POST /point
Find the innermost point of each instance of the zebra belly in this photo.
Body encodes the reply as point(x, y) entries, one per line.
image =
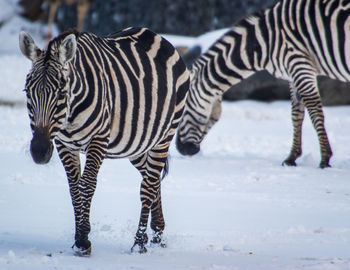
point(138, 140)
point(119, 152)
point(127, 146)
point(127, 142)
point(128, 135)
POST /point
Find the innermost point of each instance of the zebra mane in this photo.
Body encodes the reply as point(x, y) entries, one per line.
point(251, 17)
point(254, 15)
point(57, 40)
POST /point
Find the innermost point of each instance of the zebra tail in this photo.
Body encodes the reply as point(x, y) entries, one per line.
point(165, 169)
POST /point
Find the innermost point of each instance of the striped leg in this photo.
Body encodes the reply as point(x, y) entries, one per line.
point(298, 112)
point(150, 166)
point(157, 220)
point(71, 164)
point(306, 86)
point(94, 157)
point(82, 188)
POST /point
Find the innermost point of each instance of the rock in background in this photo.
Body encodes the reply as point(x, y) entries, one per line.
point(264, 87)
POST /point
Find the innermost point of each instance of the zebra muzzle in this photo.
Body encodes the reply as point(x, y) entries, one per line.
point(41, 146)
point(187, 148)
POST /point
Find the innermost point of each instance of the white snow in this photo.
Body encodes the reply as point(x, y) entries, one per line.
point(233, 206)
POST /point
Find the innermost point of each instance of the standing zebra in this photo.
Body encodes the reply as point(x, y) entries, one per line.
point(112, 97)
point(296, 40)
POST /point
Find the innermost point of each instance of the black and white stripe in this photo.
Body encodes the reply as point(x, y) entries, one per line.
point(110, 97)
point(296, 40)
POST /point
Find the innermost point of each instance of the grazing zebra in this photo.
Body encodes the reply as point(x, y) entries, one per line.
point(109, 97)
point(296, 40)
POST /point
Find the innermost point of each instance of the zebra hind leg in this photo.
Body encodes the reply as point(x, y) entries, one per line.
point(298, 112)
point(147, 194)
point(157, 221)
point(150, 166)
point(313, 104)
point(311, 99)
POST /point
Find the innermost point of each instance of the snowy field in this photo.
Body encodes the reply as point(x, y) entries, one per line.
point(233, 206)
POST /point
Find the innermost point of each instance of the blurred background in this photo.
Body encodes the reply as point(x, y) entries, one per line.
point(192, 19)
point(180, 17)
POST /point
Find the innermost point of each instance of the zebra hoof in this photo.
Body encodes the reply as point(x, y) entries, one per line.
point(157, 241)
point(138, 248)
point(324, 165)
point(161, 244)
point(81, 252)
point(139, 245)
point(289, 162)
point(82, 248)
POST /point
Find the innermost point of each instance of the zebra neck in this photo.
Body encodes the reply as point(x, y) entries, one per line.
point(233, 58)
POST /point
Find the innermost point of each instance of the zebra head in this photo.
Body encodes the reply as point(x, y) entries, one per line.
point(202, 111)
point(47, 90)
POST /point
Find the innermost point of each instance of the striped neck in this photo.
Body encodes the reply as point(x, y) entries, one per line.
point(235, 56)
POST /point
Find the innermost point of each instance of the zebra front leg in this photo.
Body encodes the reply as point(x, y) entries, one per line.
point(298, 112)
point(71, 163)
point(87, 185)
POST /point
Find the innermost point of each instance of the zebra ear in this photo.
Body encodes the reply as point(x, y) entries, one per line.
point(67, 49)
point(28, 46)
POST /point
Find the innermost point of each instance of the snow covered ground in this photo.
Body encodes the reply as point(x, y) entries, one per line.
point(233, 206)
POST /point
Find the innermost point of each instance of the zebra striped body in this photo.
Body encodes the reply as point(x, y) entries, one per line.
point(111, 97)
point(126, 91)
point(296, 40)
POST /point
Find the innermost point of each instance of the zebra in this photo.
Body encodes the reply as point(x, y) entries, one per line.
point(296, 40)
point(119, 96)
